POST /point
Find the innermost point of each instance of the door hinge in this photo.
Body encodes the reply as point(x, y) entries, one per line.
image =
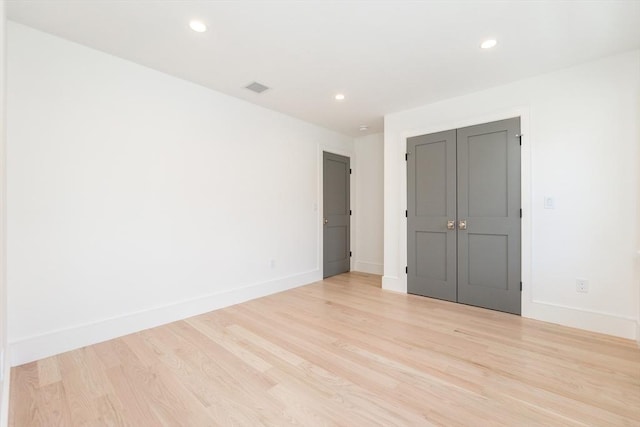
point(350, 171)
point(520, 285)
point(406, 214)
point(406, 157)
point(406, 269)
point(520, 213)
point(350, 254)
point(350, 212)
point(519, 136)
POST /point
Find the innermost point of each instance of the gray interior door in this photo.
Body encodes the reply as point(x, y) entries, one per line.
point(336, 228)
point(489, 204)
point(463, 217)
point(431, 174)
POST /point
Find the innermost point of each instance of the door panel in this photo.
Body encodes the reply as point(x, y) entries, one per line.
point(488, 167)
point(487, 172)
point(335, 243)
point(431, 251)
point(335, 176)
point(431, 173)
point(336, 228)
point(489, 265)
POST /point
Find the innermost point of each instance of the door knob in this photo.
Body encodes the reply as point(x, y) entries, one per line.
point(451, 224)
point(326, 221)
point(462, 224)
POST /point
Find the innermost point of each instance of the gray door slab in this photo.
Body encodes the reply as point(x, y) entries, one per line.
point(489, 201)
point(431, 185)
point(336, 214)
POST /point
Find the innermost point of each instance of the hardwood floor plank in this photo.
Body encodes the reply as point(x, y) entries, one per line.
point(53, 402)
point(298, 410)
point(321, 350)
point(136, 409)
point(110, 411)
point(231, 344)
point(24, 389)
point(167, 397)
point(48, 371)
point(107, 354)
point(340, 352)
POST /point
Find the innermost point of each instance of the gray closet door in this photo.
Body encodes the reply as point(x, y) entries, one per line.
point(431, 174)
point(463, 217)
point(336, 229)
point(489, 204)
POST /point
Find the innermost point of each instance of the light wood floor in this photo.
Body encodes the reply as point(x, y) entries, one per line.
point(338, 352)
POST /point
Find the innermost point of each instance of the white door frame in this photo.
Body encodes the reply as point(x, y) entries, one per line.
point(525, 187)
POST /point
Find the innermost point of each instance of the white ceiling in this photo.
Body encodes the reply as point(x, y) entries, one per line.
point(385, 56)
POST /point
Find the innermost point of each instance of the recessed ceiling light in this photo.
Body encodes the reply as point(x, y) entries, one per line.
point(364, 127)
point(488, 44)
point(339, 97)
point(198, 26)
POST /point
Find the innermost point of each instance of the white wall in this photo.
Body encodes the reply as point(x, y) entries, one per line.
point(580, 145)
point(4, 365)
point(369, 175)
point(638, 228)
point(136, 198)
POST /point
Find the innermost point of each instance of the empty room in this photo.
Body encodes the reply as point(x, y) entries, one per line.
point(319, 213)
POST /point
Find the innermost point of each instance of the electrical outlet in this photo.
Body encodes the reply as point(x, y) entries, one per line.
point(582, 285)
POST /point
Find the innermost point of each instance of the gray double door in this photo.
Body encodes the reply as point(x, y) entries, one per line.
point(336, 214)
point(464, 215)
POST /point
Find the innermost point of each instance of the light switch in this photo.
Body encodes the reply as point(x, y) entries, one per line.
point(549, 202)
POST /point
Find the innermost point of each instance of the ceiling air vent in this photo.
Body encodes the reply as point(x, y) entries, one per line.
point(256, 87)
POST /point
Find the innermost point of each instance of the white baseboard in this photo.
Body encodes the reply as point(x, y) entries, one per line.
point(59, 341)
point(6, 387)
point(391, 283)
point(605, 323)
point(368, 267)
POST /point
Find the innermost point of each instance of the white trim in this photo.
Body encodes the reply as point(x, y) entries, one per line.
point(597, 312)
point(6, 387)
point(592, 320)
point(638, 319)
point(5, 366)
point(368, 267)
point(39, 346)
point(395, 284)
